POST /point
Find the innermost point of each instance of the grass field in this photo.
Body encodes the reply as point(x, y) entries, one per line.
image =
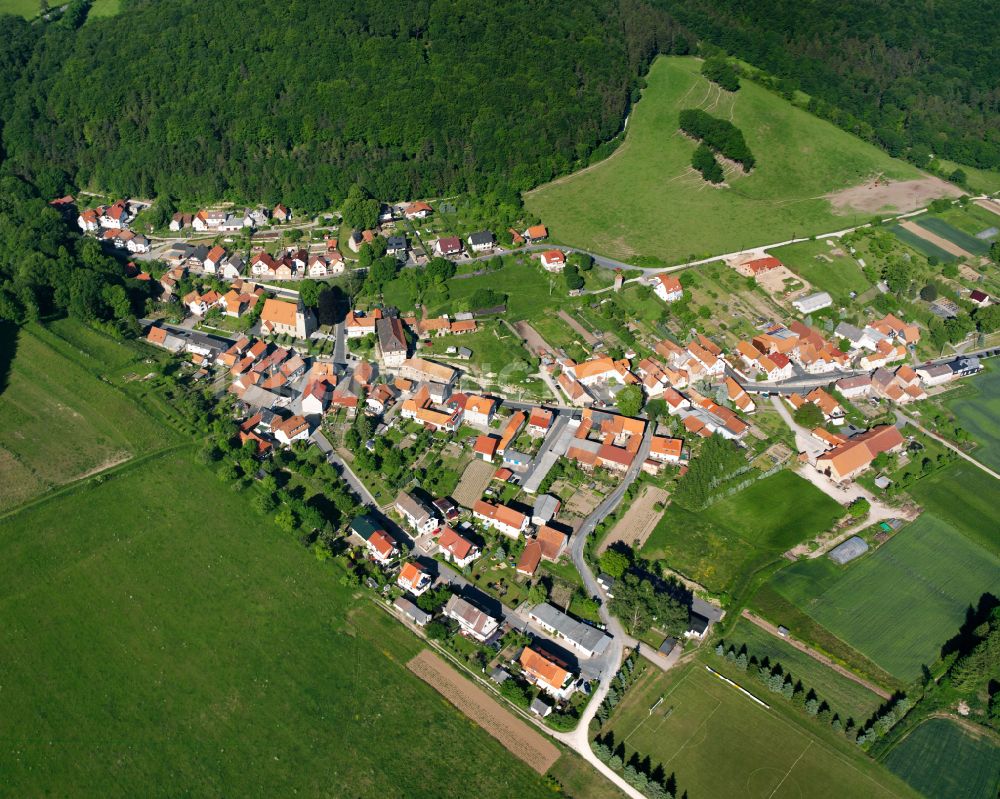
point(58, 421)
point(496, 350)
point(921, 245)
point(965, 497)
point(721, 744)
point(814, 261)
point(901, 603)
point(971, 218)
point(978, 411)
point(981, 180)
point(161, 639)
point(715, 546)
point(954, 235)
point(845, 696)
point(943, 761)
point(645, 199)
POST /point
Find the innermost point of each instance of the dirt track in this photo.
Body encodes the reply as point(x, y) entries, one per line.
point(933, 238)
point(765, 625)
point(990, 205)
point(515, 734)
point(585, 334)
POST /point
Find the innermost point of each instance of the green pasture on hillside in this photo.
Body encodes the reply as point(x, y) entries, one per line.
point(645, 199)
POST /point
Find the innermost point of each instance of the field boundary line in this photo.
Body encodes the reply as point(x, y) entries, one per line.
point(802, 754)
point(80, 482)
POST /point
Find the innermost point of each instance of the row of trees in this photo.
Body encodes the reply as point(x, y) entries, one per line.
point(639, 772)
point(623, 680)
point(775, 679)
point(720, 135)
point(718, 461)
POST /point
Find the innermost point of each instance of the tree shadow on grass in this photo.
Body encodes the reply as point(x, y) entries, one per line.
point(8, 350)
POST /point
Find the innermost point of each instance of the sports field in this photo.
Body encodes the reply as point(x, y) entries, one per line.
point(161, 638)
point(978, 411)
point(646, 200)
point(845, 696)
point(827, 268)
point(944, 761)
point(58, 420)
point(716, 545)
point(720, 743)
point(901, 603)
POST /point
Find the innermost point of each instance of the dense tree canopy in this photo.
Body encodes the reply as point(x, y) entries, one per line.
point(297, 101)
point(719, 134)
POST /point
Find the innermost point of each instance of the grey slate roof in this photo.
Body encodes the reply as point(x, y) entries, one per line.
point(582, 636)
point(482, 237)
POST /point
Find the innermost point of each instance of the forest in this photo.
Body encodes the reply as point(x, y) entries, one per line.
point(915, 78)
point(296, 101)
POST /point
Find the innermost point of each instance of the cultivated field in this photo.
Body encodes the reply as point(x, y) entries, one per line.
point(161, 638)
point(720, 743)
point(58, 421)
point(845, 696)
point(741, 532)
point(515, 734)
point(978, 411)
point(638, 521)
point(922, 243)
point(475, 478)
point(901, 603)
point(943, 760)
point(964, 496)
point(959, 238)
point(646, 200)
point(935, 239)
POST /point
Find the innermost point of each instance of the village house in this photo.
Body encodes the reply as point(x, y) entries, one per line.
point(396, 245)
point(114, 216)
point(552, 542)
point(448, 245)
point(414, 578)
point(501, 518)
point(535, 233)
point(294, 428)
point(485, 447)
point(885, 352)
point(179, 221)
point(418, 514)
point(548, 672)
point(88, 221)
point(281, 213)
point(392, 345)
point(200, 304)
point(417, 210)
point(833, 411)
point(902, 386)
point(554, 260)
point(757, 266)
point(481, 241)
point(667, 287)
point(580, 637)
point(316, 397)
point(846, 461)
point(456, 548)
point(381, 547)
point(529, 559)
point(739, 397)
point(479, 410)
point(422, 370)
point(214, 259)
point(539, 422)
point(854, 387)
point(472, 621)
point(380, 398)
point(357, 324)
point(666, 450)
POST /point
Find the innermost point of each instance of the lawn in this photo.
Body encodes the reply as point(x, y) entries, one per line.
point(845, 696)
point(717, 545)
point(645, 200)
point(942, 760)
point(719, 743)
point(978, 411)
point(972, 219)
point(814, 261)
point(901, 603)
point(496, 350)
point(58, 420)
point(162, 639)
point(964, 496)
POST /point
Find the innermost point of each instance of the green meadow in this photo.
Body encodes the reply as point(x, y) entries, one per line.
point(646, 201)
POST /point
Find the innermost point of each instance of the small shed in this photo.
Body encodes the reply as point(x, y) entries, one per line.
point(540, 707)
point(852, 548)
point(667, 646)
